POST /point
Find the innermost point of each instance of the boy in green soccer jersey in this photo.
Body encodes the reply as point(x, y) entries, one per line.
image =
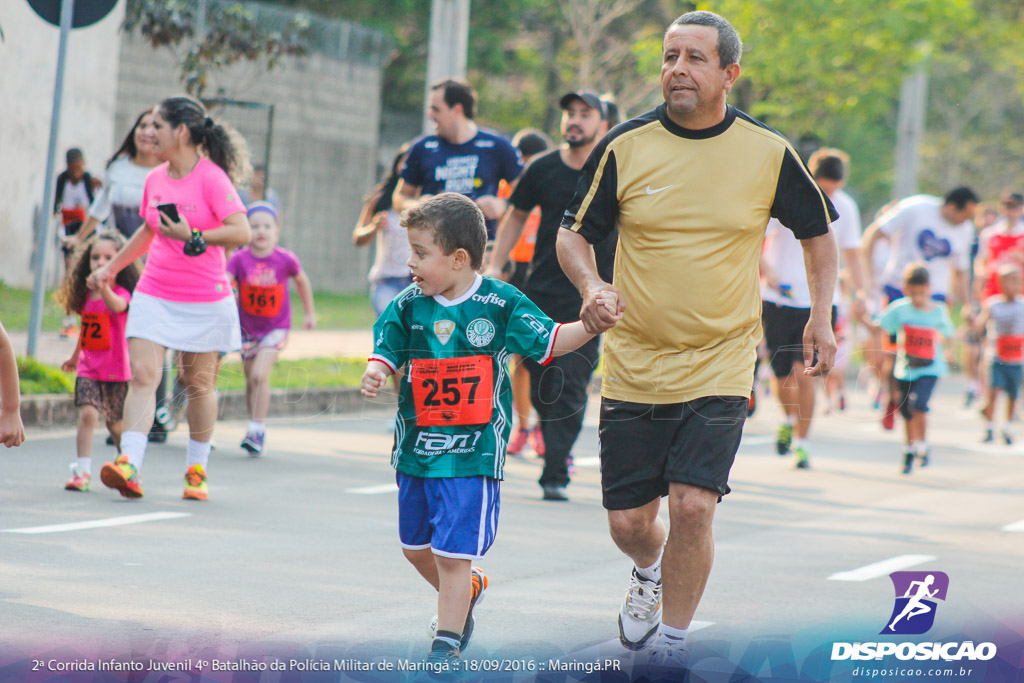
point(455, 330)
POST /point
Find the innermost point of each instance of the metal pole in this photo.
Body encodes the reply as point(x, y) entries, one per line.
point(910, 132)
point(67, 9)
point(448, 43)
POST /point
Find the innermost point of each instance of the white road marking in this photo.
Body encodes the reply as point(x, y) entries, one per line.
point(587, 462)
point(99, 523)
point(883, 568)
point(1015, 526)
point(374, 490)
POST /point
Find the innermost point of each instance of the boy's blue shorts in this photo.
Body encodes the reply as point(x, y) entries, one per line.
point(453, 516)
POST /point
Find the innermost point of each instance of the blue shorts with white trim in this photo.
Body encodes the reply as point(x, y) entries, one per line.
point(454, 517)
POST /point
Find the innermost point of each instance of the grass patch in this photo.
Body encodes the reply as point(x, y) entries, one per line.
point(16, 308)
point(307, 373)
point(336, 311)
point(40, 378)
point(333, 311)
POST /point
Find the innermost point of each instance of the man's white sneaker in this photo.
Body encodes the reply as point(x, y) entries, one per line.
point(666, 663)
point(640, 615)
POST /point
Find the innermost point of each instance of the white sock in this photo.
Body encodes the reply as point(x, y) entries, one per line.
point(670, 636)
point(922, 447)
point(797, 443)
point(652, 573)
point(85, 465)
point(133, 444)
point(991, 425)
point(198, 453)
point(258, 427)
point(788, 421)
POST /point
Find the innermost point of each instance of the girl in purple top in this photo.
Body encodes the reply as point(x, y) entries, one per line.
point(261, 273)
point(101, 354)
point(183, 301)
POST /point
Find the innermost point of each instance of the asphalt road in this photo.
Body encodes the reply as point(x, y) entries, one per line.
point(295, 558)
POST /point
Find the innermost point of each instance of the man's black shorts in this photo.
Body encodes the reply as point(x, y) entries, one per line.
point(645, 446)
point(784, 335)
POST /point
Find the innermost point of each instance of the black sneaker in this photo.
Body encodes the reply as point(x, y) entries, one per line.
point(157, 433)
point(923, 458)
point(989, 436)
point(1007, 439)
point(908, 462)
point(444, 661)
point(479, 588)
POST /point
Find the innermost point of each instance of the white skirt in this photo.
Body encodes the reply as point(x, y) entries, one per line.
point(185, 326)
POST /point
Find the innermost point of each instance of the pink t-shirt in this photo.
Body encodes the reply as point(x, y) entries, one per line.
point(205, 197)
point(264, 303)
point(103, 348)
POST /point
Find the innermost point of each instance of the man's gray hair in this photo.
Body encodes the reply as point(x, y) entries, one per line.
point(730, 47)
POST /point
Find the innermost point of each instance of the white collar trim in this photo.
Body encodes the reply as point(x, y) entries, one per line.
point(469, 292)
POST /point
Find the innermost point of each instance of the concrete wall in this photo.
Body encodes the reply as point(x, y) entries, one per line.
point(28, 65)
point(325, 136)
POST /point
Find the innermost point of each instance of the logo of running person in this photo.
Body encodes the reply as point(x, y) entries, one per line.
point(480, 332)
point(916, 595)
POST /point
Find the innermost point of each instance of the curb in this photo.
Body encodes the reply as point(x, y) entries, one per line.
point(58, 410)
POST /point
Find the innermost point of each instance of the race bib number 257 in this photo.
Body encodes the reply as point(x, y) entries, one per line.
point(452, 391)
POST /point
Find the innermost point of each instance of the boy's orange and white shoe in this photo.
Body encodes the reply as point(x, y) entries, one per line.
point(195, 483)
point(123, 476)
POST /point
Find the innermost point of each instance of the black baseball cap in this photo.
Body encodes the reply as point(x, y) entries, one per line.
point(588, 98)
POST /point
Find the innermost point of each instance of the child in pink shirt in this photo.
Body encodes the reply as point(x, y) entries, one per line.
point(261, 273)
point(101, 354)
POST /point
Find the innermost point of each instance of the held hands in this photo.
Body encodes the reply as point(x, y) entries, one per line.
point(100, 278)
point(373, 381)
point(175, 230)
point(603, 306)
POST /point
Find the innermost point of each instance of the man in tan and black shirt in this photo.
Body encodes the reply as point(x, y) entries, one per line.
point(690, 185)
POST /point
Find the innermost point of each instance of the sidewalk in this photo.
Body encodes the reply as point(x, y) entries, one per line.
point(54, 349)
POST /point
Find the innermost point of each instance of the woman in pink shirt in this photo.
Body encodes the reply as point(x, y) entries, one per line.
point(183, 300)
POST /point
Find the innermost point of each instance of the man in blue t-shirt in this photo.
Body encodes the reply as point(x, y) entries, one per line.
point(459, 157)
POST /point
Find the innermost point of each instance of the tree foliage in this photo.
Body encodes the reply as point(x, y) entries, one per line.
point(827, 70)
point(232, 35)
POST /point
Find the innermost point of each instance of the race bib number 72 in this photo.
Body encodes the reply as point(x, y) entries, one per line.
point(452, 391)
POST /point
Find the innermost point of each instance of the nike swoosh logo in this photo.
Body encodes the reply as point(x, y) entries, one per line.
point(660, 189)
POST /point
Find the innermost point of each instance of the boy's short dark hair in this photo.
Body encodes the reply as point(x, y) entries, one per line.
point(72, 155)
point(455, 221)
point(915, 274)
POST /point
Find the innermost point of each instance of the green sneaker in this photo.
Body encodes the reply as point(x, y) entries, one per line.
point(784, 439)
point(195, 483)
point(802, 461)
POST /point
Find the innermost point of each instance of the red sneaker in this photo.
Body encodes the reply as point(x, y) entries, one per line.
point(517, 441)
point(537, 441)
point(889, 419)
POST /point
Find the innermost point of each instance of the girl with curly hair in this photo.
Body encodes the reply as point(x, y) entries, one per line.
point(101, 354)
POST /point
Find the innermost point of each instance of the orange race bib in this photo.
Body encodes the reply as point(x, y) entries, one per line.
point(262, 301)
point(1010, 348)
point(452, 391)
point(75, 215)
point(919, 344)
point(95, 331)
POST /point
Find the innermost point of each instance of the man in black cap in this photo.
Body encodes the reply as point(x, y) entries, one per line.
point(558, 390)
